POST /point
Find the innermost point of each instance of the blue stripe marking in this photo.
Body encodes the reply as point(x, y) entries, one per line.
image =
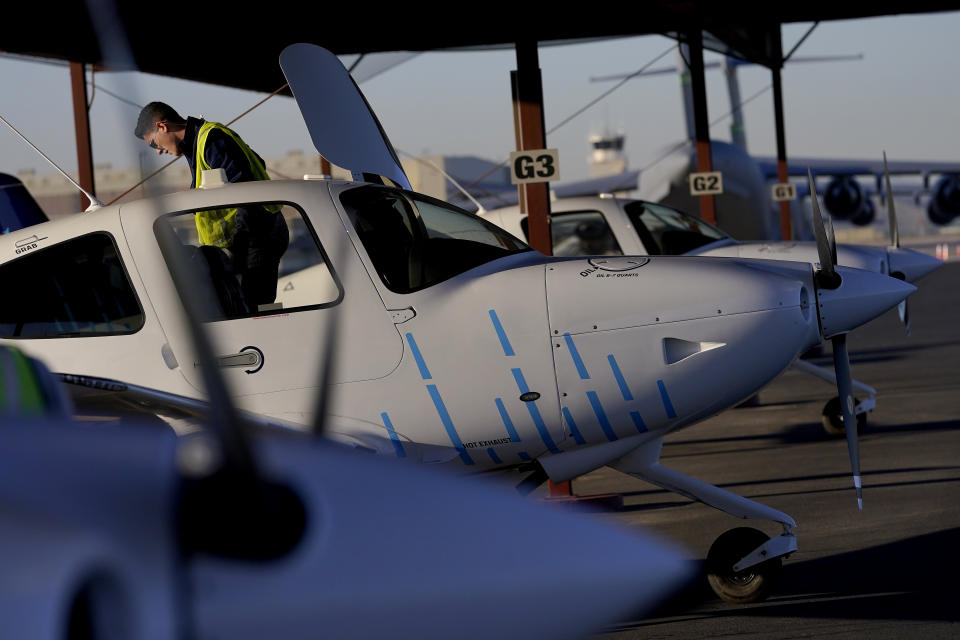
point(507, 422)
point(424, 372)
point(577, 360)
point(535, 413)
point(601, 416)
point(493, 456)
point(624, 389)
point(666, 400)
point(524, 455)
point(637, 420)
point(504, 342)
point(397, 444)
point(573, 426)
point(448, 423)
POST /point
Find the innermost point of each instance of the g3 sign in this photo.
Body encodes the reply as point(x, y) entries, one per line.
point(534, 165)
point(706, 184)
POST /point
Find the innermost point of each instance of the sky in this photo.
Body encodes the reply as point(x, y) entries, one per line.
point(901, 97)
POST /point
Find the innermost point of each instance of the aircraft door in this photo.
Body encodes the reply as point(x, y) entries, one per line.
point(271, 347)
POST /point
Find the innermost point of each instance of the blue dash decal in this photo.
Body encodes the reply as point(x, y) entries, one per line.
point(424, 372)
point(637, 420)
point(601, 416)
point(507, 422)
point(573, 426)
point(524, 455)
point(666, 400)
point(577, 360)
point(493, 456)
point(397, 444)
point(624, 389)
point(535, 413)
point(448, 423)
point(504, 342)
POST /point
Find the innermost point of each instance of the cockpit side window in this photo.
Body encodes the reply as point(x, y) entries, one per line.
point(415, 241)
point(579, 233)
point(666, 231)
point(74, 288)
point(261, 258)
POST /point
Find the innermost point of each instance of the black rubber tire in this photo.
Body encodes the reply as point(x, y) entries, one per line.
point(833, 418)
point(751, 585)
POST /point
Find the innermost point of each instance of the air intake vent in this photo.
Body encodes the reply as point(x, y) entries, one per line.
point(675, 349)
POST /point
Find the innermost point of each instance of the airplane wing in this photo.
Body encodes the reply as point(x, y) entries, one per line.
point(626, 181)
point(798, 167)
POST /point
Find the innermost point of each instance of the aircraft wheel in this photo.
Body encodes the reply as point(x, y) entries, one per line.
point(750, 585)
point(833, 418)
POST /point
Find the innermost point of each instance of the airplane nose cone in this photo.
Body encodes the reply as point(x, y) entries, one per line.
point(912, 264)
point(861, 297)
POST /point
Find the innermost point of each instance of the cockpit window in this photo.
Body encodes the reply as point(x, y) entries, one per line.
point(260, 258)
point(75, 288)
point(415, 241)
point(579, 233)
point(666, 231)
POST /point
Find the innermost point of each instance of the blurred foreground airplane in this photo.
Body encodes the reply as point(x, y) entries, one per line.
point(456, 344)
point(122, 530)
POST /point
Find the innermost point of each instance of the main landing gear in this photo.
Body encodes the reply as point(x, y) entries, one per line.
point(752, 584)
point(743, 564)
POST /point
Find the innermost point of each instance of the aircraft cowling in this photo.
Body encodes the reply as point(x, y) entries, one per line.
point(844, 198)
point(944, 203)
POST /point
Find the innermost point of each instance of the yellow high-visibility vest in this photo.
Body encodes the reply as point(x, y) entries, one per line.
point(217, 226)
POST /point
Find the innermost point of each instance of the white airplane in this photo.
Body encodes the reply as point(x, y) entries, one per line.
point(123, 530)
point(607, 225)
point(456, 344)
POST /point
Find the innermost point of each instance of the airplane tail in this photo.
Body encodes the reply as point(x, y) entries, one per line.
point(18, 209)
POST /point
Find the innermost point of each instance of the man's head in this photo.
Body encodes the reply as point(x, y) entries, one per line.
point(160, 127)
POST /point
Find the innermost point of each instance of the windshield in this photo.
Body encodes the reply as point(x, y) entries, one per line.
point(666, 231)
point(415, 241)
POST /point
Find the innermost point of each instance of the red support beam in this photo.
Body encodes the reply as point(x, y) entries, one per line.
point(81, 118)
point(701, 123)
point(528, 123)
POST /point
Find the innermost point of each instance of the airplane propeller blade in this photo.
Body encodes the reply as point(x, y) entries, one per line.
point(832, 237)
point(828, 278)
point(902, 309)
point(841, 364)
point(827, 275)
point(891, 209)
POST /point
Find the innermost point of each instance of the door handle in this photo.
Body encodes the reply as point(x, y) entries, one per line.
point(250, 358)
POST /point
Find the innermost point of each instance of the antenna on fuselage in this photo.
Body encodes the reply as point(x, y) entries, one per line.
point(94, 202)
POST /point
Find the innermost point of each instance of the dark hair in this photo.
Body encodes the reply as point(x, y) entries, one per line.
point(153, 113)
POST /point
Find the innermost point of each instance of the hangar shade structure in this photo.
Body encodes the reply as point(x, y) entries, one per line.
point(239, 48)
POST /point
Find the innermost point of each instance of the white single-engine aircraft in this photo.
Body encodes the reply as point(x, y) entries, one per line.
point(606, 225)
point(456, 343)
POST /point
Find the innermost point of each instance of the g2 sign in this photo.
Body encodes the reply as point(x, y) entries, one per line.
point(534, 165)
point(706, 184)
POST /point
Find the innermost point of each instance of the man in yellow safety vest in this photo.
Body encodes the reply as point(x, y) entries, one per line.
point(255, 235)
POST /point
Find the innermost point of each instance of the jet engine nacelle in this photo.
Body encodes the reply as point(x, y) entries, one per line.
point(944, 203)
point(843, 197)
